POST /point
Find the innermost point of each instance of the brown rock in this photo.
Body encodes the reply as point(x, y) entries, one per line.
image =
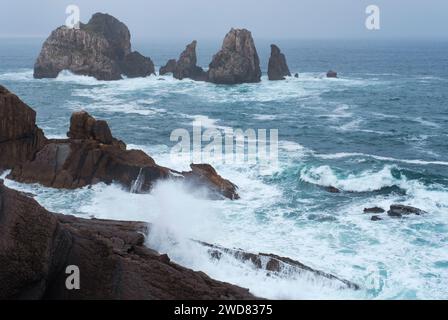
point(237, 61)
point(170, 67)
point(205, 174)
point(20, 138)
point(374, 210)
point(277, 68)
point(332, 74)
point(37, 246)
point(186, 65)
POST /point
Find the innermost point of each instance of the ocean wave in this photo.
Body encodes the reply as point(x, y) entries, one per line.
point(341, 155)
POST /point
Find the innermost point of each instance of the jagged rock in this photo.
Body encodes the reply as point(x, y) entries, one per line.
point(100, 48)
point(238, 60)
point(20, 138)
point(36, 247)
point(332, 74)
point(170, 67)
point(398, 210)
point(275, 264)
point(205, 174)
point(277, 68)
point(186, 65)
point(374, 210)
point(136, 65)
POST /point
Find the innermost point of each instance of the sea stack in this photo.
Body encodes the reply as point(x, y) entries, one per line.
point(277, 68)
point(170, 67)
point(100, 48)
point(186, 65)
point(237, 62)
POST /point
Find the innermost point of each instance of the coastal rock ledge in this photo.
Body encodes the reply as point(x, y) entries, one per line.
point(37, 246)
point(100, 49)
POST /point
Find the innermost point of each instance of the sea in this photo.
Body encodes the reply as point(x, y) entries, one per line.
point(378, 133)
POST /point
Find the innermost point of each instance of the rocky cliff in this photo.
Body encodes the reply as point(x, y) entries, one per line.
point(277, 68)
point(37, 246)
point(101, 49)
point(20, 138)
point(237, 61)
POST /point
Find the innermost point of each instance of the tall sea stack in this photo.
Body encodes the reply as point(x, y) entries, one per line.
point(100, 48)
point(237, 61)
point(277, 68)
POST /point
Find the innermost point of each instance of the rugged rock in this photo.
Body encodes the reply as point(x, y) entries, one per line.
point(374, 210)
point(36, 247)
point(277, 68)
point(205, 174)
point(376, 218)
point(170, 67)
point(100, 48)
point(332, 74)
point(135, 65)
point(186, 65)
point(237, 61)
point(20, 138)
point(398, 210)
point(275, 265)
point(89, 156)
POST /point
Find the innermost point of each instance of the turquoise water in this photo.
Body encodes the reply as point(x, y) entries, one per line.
point(379, 133)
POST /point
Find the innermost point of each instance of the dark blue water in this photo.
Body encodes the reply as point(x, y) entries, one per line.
point(379, 133)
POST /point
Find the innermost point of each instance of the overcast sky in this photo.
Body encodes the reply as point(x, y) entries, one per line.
point(211, 19)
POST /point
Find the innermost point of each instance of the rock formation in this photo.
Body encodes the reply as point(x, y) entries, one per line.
point(90, 155)
point(100, 48)
point(399, 210)
point(237, 61)
point(186, 65)
point(332, 74)
point(170, 67)
point(20, 138)
point(277, 68)
point(36, 247)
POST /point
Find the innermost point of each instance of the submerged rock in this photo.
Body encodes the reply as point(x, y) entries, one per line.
point(332, 189)
point(186, 65)
point(36, 247)
point(170, 67)
point(332, 74)
point(376, 218)
point(280, 266)
point(296, 75)
point(100, 48)
point(374, 210)
point(20, 137)
point(277, 68)
point(237, 61)
point(398, 210)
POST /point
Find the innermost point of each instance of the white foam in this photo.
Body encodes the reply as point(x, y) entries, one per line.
point(341, 155)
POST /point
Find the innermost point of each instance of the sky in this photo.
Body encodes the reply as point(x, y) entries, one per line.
point(211, 19)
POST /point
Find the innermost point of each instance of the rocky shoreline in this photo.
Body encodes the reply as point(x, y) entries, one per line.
point(36, 245)
point(102, 49)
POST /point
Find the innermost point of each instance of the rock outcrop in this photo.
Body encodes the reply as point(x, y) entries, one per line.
point(90, 155)
point(237, 61)
point(186, 65)
point(332, 74)
point(399, 210)
point(275, 265)
point(205, 174)
point(20, 138)
point(170, 67)
point(37, 246)
point(100, 48)
point(277, 68)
